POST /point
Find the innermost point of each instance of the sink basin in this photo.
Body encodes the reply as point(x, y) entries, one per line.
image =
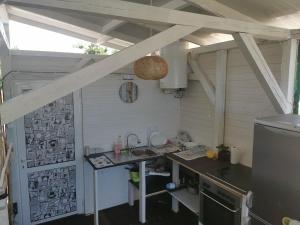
point(143, 152)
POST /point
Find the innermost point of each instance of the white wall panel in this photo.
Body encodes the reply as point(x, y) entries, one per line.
point(105, 117)
point(245, 100)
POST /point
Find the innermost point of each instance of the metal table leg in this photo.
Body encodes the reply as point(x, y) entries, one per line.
point(142, 192)
point(175, 179)
point(96, 207)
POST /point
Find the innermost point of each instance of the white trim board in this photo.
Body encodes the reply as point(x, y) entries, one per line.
point(23, 104)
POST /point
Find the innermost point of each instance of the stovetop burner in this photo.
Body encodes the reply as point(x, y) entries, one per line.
point(236, 176)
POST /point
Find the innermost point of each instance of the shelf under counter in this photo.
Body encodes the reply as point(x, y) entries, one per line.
point(189, 200)
point(155, 185)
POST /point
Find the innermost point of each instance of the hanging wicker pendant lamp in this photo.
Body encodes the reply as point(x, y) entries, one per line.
point(151, 68)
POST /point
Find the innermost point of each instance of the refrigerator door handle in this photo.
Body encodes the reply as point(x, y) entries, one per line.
point(219, 203)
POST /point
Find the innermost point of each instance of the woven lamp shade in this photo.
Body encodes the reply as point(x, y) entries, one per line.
point(151, 68)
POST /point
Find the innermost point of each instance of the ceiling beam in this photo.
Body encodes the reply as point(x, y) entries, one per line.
point(56, 25)
point(28, 102)
point(4, 31)
point(174, 4)
point(220, 9)
point(70, 26)
point(132, 11)
point(212, 48)
point(262, 71)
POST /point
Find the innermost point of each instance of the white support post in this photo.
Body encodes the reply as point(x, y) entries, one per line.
point(288, 68)
point(28, 102)
point(96, 206)
point(131, 194)
point(175, 179)
point(263, 72)
point(142, 192)
point(202, 77)
point(221, 73)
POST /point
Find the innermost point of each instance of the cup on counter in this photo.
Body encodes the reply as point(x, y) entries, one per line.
point(87, 150)
point(235, 155)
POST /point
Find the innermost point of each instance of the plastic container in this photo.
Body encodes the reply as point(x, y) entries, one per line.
point(118, 145)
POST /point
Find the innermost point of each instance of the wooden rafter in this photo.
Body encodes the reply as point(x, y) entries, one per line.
point(23, 104)
point(203, 79)
point(263, 73)
point(220, 9)
point(174, 4)
point(56, 25)
point(4, 36)
point(132, 11)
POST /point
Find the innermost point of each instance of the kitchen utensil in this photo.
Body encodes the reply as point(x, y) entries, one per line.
point(157, 139)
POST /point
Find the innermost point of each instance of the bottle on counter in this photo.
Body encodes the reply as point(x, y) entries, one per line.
point(118, 145)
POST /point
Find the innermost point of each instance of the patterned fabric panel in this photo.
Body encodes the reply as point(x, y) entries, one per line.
point(49, 133)
point(52, 193)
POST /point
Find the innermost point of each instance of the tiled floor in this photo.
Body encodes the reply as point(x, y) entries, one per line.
point(158, 213)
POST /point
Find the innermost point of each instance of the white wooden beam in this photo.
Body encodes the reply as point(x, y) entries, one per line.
point(56, 25)
point(220, 9)
point(132, 11)
point(3, 14)
point(4, 32)
point(80, 30)
point(289, 68)
point(112, 25)
point(174, 4)
point(212, 48)
point(205, 82)
point(221, 74)
point(263, 73)
point(23, 104)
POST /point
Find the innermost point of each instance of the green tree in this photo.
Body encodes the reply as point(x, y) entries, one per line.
point(93, 49)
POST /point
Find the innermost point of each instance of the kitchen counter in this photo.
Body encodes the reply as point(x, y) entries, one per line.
point(235, 178)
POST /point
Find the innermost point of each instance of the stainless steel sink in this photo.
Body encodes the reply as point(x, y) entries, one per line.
point(130, 155)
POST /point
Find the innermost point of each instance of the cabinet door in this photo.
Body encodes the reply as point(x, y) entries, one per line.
point(50, 153)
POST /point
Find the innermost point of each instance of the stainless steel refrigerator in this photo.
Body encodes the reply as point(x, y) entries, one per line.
point(276, 170)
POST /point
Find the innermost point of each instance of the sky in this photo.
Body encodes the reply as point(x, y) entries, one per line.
point(25, 37)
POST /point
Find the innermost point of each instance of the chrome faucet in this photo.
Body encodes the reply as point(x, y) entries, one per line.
point(132, 134)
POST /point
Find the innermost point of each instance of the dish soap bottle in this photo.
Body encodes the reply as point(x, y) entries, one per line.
point(118, 146)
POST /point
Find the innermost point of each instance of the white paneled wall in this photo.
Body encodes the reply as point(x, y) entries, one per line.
point(197, 114)
point(105, 117)
point(245, 100)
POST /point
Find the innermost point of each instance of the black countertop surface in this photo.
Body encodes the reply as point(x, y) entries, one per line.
point(236, 177)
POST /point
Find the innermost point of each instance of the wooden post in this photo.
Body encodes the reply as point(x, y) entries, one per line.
point(221, 74)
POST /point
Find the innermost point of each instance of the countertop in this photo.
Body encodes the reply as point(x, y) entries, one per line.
point(239, 179)
point(236, 178)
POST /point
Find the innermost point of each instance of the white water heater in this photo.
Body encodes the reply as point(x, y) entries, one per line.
point(176, 57)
